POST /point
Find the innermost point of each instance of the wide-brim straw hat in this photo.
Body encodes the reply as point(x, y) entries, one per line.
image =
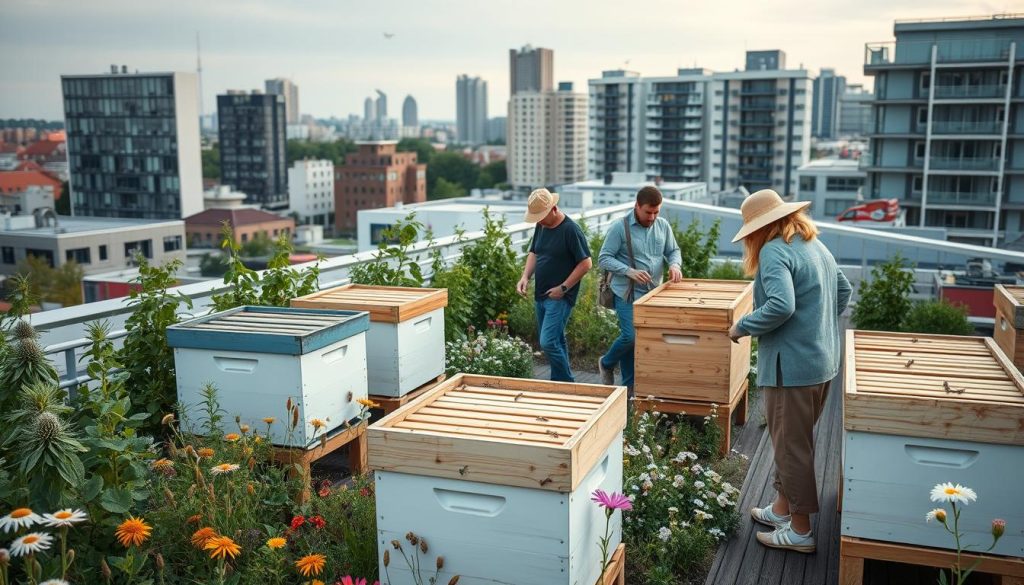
point(764, 207)
point(540, 204)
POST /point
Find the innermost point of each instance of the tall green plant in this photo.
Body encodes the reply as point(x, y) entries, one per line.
point(22, 364)
point(458, 280)
point(393, 264)
point(938, 317)
point(697, 247)
point(148, 360)
point(276, 286)
point(495, 267)
point(884, 301)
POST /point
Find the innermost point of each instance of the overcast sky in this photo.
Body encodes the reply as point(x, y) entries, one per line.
point(336, 52)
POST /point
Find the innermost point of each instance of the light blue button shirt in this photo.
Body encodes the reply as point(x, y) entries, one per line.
point(654, 249)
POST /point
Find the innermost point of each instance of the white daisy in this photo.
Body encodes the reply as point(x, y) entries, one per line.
point(948, 492)
point(18, 519)
point(664, 534)
point(223, 468)
point(65, 517)
point(936, 514)
point(31, 543)
point(55, 582)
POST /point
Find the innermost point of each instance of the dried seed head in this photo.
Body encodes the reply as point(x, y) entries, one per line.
point(167, 419)
point(288, 404)
point(238, 419)
point(396, 544)
point(159, 562)
point(440, 563)
point(191, 491)
point(350, 396)
point(454, 580)
point(172, 450)
point(251, 489)
point(71, 556)
point(252, 463)
point(423, 545)
point(169, 496)
point(387, 557)
point(23, 330)
point(295, 418)
point(105, 570)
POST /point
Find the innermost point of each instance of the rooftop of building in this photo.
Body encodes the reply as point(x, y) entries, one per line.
point(42, 148)
point(79, 225)
point(457, 205)
point(982, 21)
point(11, 181)
point(629, 181)
point(236, 217)
point(831, 164)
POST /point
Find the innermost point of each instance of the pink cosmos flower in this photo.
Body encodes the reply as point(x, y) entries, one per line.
point(612, 501)
point(348, 580)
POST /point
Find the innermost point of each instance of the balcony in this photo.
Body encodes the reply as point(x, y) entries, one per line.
point(918, 54)
point(957, 127)
point(969, 91)
point(972, 199)
point(964, 163)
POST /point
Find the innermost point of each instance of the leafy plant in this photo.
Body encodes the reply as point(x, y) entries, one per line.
point(22, 364)
point(458, 279)
point(884, 301)
point(493, 260)
point(392, 264)
point(492, 352)
point(697, 247)
point(727, 270)
point(939, 317)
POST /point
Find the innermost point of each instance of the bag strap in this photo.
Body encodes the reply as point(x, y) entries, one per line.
point(629, 249)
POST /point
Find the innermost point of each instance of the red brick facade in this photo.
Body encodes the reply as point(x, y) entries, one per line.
point(376, 176)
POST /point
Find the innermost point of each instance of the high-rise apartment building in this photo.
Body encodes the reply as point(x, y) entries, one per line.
point(531, 69)
point(828, 89)
point(252, 146)
point(547, 140)
point(381, 106)
point(497, 129)
point(375, 176)
point(617, 104)
point(948, 125)
point(471, 109)
point(676, 140)
point(760, 125)
point(290, 91)
point(133, 144)
point(369, 114)
point(311, 191)
point(410, 115)
point(855, 111)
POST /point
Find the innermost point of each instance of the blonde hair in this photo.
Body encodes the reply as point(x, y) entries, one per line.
point(786, 228)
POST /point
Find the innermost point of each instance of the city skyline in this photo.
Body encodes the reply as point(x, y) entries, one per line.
point(337, 55)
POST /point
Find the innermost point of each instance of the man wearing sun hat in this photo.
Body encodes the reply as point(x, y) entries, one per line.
point(559, 258)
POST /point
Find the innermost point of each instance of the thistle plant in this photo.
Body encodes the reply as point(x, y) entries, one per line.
point(958, 496)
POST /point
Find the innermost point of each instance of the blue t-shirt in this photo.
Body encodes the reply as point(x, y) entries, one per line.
point(558, 250)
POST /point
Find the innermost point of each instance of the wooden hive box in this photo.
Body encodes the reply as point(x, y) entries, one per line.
point(1009, 325)
point(496, 473)
point(259, 357)
point(405, 342)
point(683, 350)
point(921, 410)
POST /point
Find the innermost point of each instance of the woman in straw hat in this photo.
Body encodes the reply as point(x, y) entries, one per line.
point(799, 293)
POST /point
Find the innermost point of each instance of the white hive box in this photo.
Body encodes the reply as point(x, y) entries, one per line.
point(921, 410)
point(496, 474)
point(405, 342)
point(259, 357)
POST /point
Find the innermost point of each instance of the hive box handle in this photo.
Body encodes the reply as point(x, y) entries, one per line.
point(335, 354)
point(235, 365)
point(677, 339)
point(941, 456)
point(473, 503)
point(423, 324)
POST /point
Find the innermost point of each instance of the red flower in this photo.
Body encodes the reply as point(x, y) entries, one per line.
point(317, 521)
point(298, 521)
point(364, 492)
point(324, 492)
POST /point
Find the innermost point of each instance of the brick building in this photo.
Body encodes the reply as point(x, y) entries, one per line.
point(202, 230)
point(373, 177)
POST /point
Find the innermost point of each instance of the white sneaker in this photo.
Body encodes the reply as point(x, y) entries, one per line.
point(768, 517)
point(786, 538)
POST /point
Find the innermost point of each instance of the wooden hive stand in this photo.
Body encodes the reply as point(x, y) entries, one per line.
point(853, 551)
point(301, 460)
point(725, 412)
point(616, 573)
point(390, 404)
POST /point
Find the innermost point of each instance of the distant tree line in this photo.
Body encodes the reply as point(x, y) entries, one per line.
point(31, 123)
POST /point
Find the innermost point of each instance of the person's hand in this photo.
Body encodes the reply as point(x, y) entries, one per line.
point(638, 276)
point(521, 286)
point(555, 293)
point(674, 274)
point(735, 334)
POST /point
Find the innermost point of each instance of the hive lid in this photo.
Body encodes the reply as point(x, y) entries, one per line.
point(1010, 301)
point(281, 330)
point(939, 386)
point(505, 431)
point(708, 305)
point(389, 304)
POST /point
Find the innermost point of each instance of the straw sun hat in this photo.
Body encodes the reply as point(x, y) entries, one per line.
point(539, 205)
point(762, 208)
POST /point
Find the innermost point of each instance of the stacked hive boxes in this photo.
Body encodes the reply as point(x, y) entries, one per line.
point(497, 473)
point(259, 357)
point(921, 410)
point(405, 341)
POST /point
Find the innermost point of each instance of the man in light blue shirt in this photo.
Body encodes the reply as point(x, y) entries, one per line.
point(654, 247)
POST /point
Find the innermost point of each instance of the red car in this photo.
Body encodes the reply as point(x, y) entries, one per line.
point(880, 210)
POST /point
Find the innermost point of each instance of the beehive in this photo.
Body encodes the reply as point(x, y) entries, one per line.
point(1009, 323)
point(927, 409)
point(497, 473)
point(405, 342)
point(259, 357)
point(683, 350)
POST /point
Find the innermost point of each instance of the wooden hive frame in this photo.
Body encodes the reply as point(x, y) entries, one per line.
point(536, 434)
point(938, 386)
point(389, 304)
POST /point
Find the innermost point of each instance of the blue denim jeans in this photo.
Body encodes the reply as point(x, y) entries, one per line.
point(552, 317)
point(621, 352)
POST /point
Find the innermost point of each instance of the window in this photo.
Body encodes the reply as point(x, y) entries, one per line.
point(103, 252)
point(922, 115)
point(917, 184)
point(955, 219)
point(808, 184)
point(834, 207)
point(45, 255)
point(926, 79)
point(919, 150)
point(144, 247)
point(843, 183)
point(79, 255)
point(8, 254)
point(172, 243)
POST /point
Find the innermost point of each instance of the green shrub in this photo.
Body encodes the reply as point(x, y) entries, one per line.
point(884, 301)
point(727, 270)
point(392, 264)
point(274, 287)
point(939, 317)
point(492, 352)
point(697, 247)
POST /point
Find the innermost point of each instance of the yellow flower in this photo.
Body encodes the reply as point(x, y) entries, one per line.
point(205, 453)
point(317, 582)
point(222, 547)
point(311, 564)
point(133, 531)
point(317, 423)
point(257, 439)
point(368, 403)
point(231, 437)
point(162, 464)
point(277, 542)
point(202, 536)
point(223, 468)
point(269, 420)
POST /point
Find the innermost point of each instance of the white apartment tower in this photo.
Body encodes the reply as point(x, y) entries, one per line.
point(547, 141)
point(311, 192)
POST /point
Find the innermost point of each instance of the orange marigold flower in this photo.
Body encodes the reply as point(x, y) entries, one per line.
point(205, 452)
point(232, 437)
point(133, 531)
point(162, 464)
point(311, 564)
point(368, 403)
point(269, 420)
point(318, 423)
point(222, 547)
point(202, 536)
point(277, 542)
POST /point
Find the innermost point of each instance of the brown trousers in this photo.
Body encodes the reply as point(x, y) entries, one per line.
point(791, 413)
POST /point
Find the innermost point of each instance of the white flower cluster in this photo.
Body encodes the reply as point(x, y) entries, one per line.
point(489, 354)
